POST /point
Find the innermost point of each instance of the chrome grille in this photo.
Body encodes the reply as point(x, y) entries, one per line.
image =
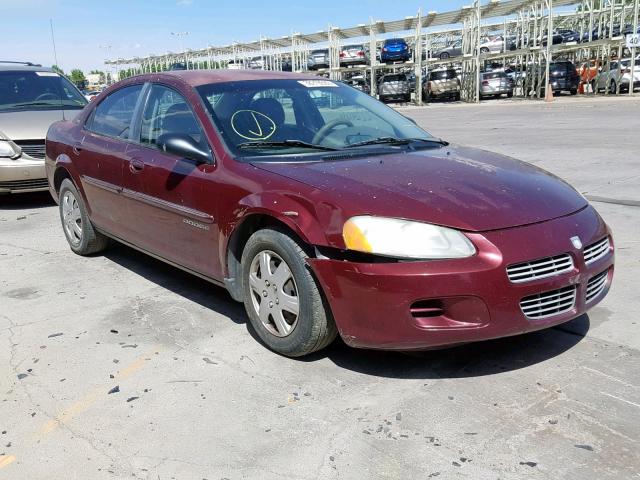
point(596, 286)
point(33, 148)
point(542, 268)
point(548, 304)
point(596, 251)
point(25, 184)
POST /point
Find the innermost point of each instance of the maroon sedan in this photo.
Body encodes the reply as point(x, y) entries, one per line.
point(326, 212)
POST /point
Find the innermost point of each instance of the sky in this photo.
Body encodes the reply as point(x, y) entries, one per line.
point(137, 28)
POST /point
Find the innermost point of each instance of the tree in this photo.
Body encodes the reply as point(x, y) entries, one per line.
point(78, 78)
point(98, 72)
point(57, 69)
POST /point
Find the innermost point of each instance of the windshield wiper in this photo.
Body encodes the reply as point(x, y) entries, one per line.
point(398, 141)
point(35, 104)
point(284, 144)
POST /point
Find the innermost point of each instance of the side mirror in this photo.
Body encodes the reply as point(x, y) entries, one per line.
point(184, 146)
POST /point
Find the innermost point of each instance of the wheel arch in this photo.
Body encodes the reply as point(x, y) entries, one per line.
point(237, 240)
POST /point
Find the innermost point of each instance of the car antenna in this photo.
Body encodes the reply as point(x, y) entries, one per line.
point(55, 59)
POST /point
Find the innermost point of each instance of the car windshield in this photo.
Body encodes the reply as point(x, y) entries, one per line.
point(32, 90)
point(294, 117)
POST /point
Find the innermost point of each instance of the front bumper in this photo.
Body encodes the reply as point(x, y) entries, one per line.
point(372, 302)
point(24, 174)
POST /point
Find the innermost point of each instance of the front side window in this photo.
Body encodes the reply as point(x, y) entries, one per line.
point(33, 90)
point(167, 112)
point(112, 117)
point(291, 117)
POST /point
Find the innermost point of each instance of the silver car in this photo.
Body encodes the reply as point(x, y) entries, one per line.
point(394, 86)
point(31, 99)
point(450, 51)
point(496, 84)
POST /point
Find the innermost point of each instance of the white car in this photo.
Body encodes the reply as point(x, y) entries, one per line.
point(615, 77)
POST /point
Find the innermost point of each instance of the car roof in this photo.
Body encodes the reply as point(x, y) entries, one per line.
point(196, 78)
point(20, 67)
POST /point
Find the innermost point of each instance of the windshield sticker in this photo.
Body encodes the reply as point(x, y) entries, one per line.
point(252, 125)
point(47, 74)
point(317, 83)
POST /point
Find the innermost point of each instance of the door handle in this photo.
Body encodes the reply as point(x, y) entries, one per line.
point(77, 148)
point(136, 165)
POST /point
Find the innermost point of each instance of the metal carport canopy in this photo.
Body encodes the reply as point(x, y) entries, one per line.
point(493, 9)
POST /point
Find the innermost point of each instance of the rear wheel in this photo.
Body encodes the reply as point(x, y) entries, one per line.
point(281, 297)
point(574, 91)
point(78, 229)
point(613, 87)
point(444, 56)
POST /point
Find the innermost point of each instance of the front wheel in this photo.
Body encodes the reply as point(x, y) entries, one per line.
point(281, 297)
point(78, 229)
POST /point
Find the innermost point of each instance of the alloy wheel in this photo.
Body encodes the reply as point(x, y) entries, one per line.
point(71, 218)
point(274, 293)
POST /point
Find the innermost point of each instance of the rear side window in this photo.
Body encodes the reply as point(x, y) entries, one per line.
point(167, 111)
point(395, 78)
point(112, 117)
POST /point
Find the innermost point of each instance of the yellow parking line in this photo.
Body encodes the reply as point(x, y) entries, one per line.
point(84, 403)
point(6, 460)
point(92, 397)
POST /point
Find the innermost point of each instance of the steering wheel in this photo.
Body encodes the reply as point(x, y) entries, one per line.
point(47, 96)
point(328, 128)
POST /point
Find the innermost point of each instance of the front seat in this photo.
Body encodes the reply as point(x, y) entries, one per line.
point(179, 119)
point(274, 110)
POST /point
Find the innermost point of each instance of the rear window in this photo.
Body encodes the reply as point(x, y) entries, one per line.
point(400, 77)
point(318, 52)
point(491, 75)
point(353, 47)
point(394, 40)
point(443, 75)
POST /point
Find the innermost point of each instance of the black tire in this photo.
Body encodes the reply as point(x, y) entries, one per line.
point(574, 91)
point(484, 50)
point(89, 240)
point(510, 95)
point(314, 328)
point(444, 56)
point(407, 98)
point(613, 87)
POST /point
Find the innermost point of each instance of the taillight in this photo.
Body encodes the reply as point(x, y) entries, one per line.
point(342, 54)
point(384, 49)
point(485, 82)
point(361, 54)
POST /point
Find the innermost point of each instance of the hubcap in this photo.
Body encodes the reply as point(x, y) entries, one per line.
point(274, 294)
point(71, 218)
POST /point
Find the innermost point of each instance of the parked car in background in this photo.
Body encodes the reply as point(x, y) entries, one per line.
point(497, 43)
point(441, 83)
point(394, 86)
point(354, 55)
point(318, 59)
point(450, 51)
point(256, 63)
point(395, 50)
point(31, 99)
point(568, 35)
point(618, 76)
point(355, 222)
point(563, 77)
point(496, 84)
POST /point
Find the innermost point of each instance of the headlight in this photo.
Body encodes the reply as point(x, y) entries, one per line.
point(392, 237)
point(8, 149)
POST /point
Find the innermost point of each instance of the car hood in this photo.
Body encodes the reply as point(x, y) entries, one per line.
point(457, 187)
point(31, 124)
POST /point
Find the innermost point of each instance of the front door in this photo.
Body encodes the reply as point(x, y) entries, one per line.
point(171, 204)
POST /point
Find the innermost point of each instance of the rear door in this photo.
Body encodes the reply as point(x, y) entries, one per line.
point(171, 201)
point(101, 156)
